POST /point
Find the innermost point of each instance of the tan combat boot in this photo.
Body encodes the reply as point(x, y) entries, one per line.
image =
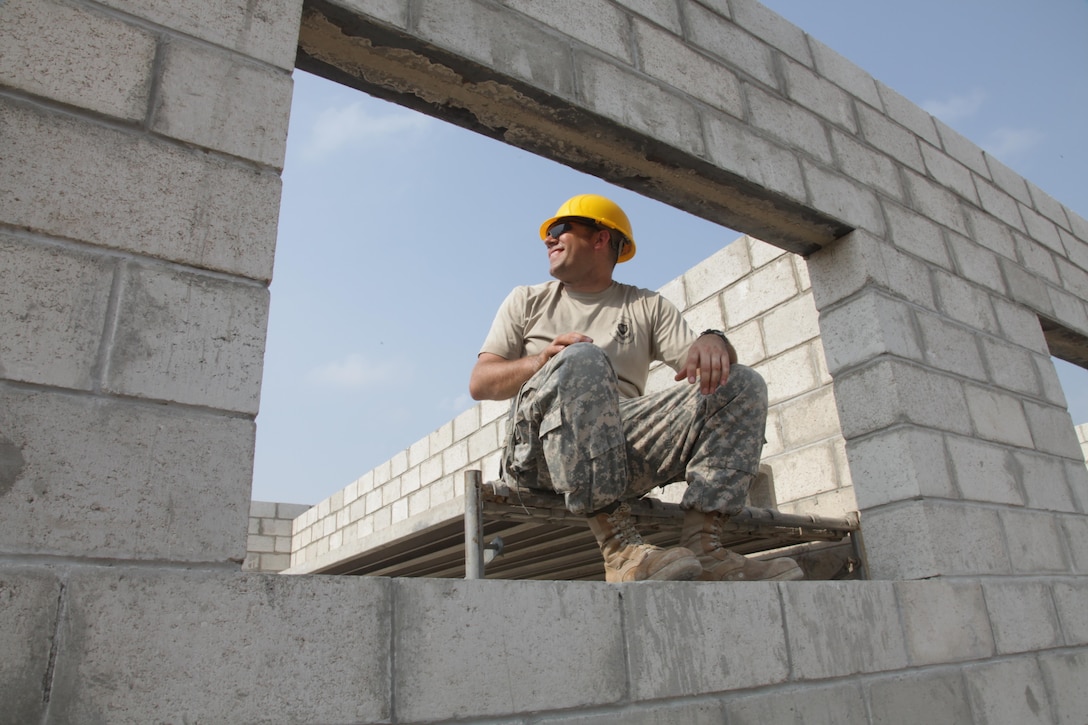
point(702, 534)
point(627, 558)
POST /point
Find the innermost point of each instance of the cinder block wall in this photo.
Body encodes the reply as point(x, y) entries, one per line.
point(268, 546)
point(759, 292)
point(138, 200)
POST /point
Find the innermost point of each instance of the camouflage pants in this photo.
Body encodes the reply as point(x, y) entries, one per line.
point(569, 432)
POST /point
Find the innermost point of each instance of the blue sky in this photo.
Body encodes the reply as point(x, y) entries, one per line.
point(399, 234)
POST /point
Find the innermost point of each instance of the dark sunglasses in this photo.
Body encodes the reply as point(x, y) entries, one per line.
point(562, 227)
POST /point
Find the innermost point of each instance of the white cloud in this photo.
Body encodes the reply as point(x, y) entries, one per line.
point(1007, 142)
point(956, 108)
point(352, 126)
point(352, 373)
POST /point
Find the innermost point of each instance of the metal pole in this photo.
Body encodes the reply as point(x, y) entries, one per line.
point(474, 553)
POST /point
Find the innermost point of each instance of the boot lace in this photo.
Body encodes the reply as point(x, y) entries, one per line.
point(623, 527)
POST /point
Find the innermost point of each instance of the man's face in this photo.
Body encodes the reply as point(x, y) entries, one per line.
point(571, 250)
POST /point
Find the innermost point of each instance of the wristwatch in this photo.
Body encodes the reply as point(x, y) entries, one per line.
point(719, 333)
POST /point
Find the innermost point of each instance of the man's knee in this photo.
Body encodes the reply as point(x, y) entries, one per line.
point(584, 359)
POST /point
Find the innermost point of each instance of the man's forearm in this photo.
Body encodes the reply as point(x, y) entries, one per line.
point(500, 379)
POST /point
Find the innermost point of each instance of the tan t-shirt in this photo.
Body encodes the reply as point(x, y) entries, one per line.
point(634, 326)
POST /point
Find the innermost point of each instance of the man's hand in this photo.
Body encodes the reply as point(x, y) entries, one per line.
point(496, 378)
point(708, 361)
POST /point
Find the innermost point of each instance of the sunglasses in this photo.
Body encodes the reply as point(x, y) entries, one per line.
point(562, 227)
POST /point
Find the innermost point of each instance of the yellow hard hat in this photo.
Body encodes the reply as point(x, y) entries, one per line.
point(603, 212)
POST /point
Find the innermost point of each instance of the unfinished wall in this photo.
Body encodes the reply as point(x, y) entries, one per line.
point(138, 199)
point(758, 292)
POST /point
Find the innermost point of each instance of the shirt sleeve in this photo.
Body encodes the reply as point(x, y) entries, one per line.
point(673, 336)
point(506, 338)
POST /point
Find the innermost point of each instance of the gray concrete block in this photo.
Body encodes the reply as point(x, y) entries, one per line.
point(949, 173)
point(698, 638)
point(991, 233)
point(790, 325)
point(965, 302)
point(950, 347)
point(29, 599)
point(1010, 366)
point(831, 705)
point(698, 713)
point(1036, 542)
point(1044, 482)
point(669, 59)
point(1075, 529)
point(843, 198)
point(866, 326)
point(756, 293)
point(1052, 429)
point(772, 28)
point(919, 698)
point(998, 417)
point(1043, 202)
point(733, 44)
point(907, 113)
point(866, 165)
point(597, 23)
point(935, 202)
point(660, 113)
point(267, 31)
point(1009, 691)
point(842, 628)
point(963, 149)
point(985, 472)
point(999, 204)
point(489, 648)
point(217, 215)
point(665, 13)
point(499, 39)
point(734, 147)
point(1023, 616)
point(944, 621)
point(189, 338)
point(977, 263)
point(1069, 598)
point(221, 102)
point(55, 301)
point(94, 61)
point(900, 464)
point(890, 137)
point(789, 123)
point(789, 375)
point(1065, 675)
point(914, 233)
point(156, 645)
point(94, 477)
point(860, 259)
point(810, 471)
point(1037, 258)
point(844, 73)
point(1010, 181)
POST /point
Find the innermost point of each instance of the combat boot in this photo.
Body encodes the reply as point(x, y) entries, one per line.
point(702, 535)
point(627, 558)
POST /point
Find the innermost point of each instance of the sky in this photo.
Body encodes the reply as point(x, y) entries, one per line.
point(384, 211)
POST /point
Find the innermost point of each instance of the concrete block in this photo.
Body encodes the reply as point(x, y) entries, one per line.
point(1065, 674)
point(1044, 482)
point(790, 325)
point(964, 302)
point(189, 338)
point(976, 263)
point(1075, 529)
point(1009, 691)
point(985, 472)
point(700, 713)
point(1052, 430)
point(870, 167)
point(950, 347)
point(447, 659)
point(1069, 598)
point(844, 73)
point(737, 47)
point(483, 442)
point(207, 646)
point(991, 233)
point(944, 621)
point(94, 477)
point(789, 123)
point(1073, 279)
point(1010, 366)
point(866, 326)
point(907, 113)
point(220, 102)
point(1042, 230)
point(890, 392)
point(859, 260)
point(935, 202)
point(267, 31)
point(763, 253)
point(217, 215)
point(809, 418)
point(772, 28)
point(1010, 181)
point(756, 293)
point(675, 635)
point(660, 114)
point(1043, 202)
point(890, 137)
point(599, 24)
point(789, 375)
point(919, 698)
point(962, 149)
point(819, 96)
point(1022, 615)
point(998, 417)
point(93, 61)
point(1036, 542)
point(949, 173)
point(1027, 288)
point(999, 204)
point(830, 705)
point(669, 59)
point(716, 272)
point(1018, 323)
point(843, 198)
point(734, 147)
point(914, 233)
point(1037, 258)
point(29, 599)
point(55, 302)
point(663, 12)
point(900, 464)
point(837, 629)
point(805, 472)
